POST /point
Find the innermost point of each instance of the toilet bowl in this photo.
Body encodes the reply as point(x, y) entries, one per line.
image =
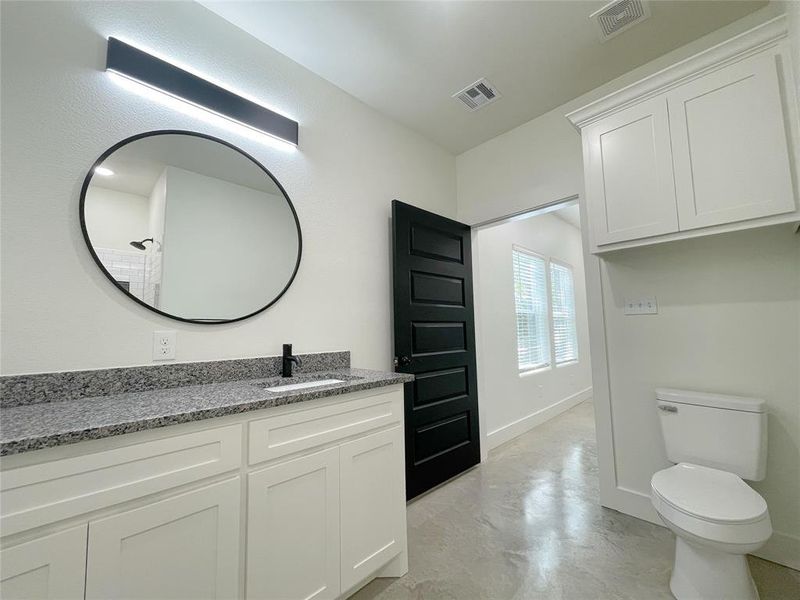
point(717, 520)
point(716, 441)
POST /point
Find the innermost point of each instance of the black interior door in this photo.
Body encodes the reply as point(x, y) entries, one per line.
point(434, 338)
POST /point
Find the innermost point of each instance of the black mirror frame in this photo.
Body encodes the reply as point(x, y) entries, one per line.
point(87, 239)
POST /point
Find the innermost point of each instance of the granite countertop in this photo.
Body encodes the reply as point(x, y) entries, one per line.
point(42, 425)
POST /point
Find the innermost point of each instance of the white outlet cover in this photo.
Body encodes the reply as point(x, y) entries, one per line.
point(644, 305)
point(164, 343)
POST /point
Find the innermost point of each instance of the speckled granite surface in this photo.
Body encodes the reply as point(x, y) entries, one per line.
point(42, 425)
point(17, 390)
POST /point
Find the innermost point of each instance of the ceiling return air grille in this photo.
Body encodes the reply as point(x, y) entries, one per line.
point(477, 95)
point(618, 16)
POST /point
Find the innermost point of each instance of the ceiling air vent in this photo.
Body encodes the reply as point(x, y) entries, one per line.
point(617, 16)
point(477, 95)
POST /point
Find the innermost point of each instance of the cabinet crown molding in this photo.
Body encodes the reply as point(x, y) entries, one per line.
point(749, 42)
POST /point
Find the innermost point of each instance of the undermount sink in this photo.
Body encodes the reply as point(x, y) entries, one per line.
point(300, 386)
point(303, 381)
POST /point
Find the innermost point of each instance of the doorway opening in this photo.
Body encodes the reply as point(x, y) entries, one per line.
point(530, 319)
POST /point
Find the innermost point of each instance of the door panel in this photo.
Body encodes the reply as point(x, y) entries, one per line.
point(429, 288)
point(186, 546)
point(293, 529)
point(442, 436)
point(372, 508)
point(435, 243)
point(435, 339)
point(439, 386)
point(730, 146)
point(49, 568)
point(630, 189)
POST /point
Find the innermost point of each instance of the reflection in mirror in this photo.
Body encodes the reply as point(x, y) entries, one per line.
point(190, 226)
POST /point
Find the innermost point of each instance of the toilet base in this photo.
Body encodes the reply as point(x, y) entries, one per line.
point(703, 573)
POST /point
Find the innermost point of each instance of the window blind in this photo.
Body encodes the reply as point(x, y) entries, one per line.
point(530, 295)
point(562, 297)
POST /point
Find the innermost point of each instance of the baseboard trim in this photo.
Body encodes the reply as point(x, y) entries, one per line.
point(634, 503)
point(782, 548)
point(516, 428)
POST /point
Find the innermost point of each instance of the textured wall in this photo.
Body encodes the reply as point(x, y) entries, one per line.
point(60, 111)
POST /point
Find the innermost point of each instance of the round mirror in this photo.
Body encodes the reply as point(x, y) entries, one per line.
point(190, 226)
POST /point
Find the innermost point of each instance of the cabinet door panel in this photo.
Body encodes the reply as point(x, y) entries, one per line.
point(51, 567)
point(630, 189)
point(186, 546)
point(293, 529)
point(730, 145)
point(373, 504)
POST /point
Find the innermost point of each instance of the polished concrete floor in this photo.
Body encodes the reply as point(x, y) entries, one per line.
point(527, 524)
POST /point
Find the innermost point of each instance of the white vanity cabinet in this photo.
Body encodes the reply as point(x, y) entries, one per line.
point(293, 529)
point(185, 546)
point(706, 146)
point(50, 567)
point(373, 523)
point(304, 501)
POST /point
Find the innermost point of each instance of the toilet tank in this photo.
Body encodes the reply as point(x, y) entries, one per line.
point(723, 432)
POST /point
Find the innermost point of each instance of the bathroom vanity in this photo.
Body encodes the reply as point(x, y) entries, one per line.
point(199, 480)
point(222, 490)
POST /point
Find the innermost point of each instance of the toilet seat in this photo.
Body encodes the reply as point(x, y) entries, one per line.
point(713, 505)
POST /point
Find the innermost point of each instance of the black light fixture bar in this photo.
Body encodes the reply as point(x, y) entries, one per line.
point(145, 68)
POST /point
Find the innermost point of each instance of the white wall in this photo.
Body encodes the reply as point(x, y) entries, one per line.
point(228, 249)
point(510, 403)
point(728, 321)
point(114, 219)
point(157, 211)
point(729, 309)
point(60, 111)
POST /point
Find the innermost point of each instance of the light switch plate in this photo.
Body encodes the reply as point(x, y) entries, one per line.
point(645, 305)
point(164, 344)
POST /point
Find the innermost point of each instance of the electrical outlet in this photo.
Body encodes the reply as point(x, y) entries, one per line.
point(646, 305)
point(164, 345)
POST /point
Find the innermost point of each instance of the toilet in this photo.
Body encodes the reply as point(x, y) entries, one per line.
point(716, 442)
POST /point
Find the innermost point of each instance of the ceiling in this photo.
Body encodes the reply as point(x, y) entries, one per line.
point(407, 59)
point(571, 214)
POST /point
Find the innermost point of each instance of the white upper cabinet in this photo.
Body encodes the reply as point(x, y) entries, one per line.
point(705, 146)
point(730, 146)
point(629, 180)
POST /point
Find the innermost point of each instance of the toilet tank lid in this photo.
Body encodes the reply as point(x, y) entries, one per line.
point(756, 405)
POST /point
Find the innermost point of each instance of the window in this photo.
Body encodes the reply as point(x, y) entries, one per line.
point(562, 298)
point(530, 295)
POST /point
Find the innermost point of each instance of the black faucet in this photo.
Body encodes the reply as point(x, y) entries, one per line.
point(289, 360)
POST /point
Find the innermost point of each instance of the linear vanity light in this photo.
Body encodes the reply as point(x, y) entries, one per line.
point(158, 74)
